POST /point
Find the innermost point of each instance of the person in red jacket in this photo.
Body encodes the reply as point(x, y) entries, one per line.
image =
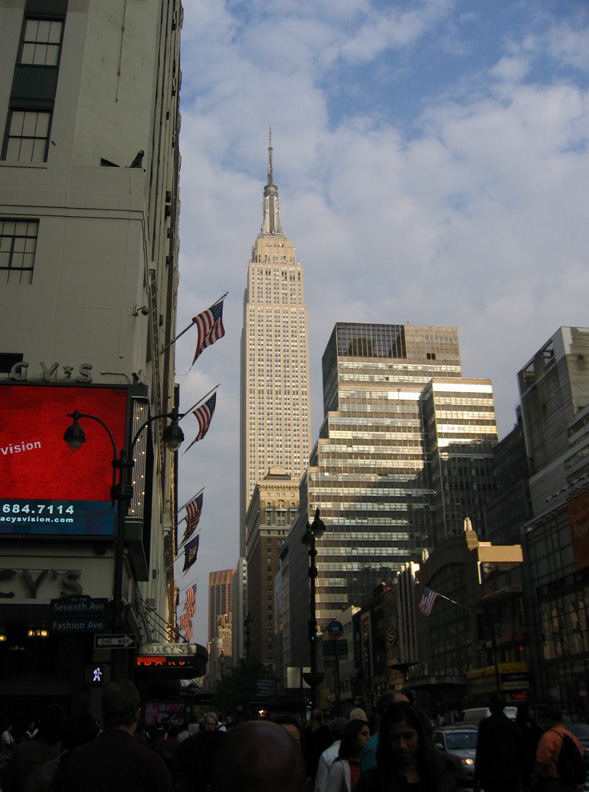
point(549, 749)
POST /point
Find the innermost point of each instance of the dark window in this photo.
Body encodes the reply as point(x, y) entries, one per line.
point(8, 360)
point(18, 244)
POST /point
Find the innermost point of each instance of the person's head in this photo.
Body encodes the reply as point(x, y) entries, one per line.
point(120, 705)
point(404, 742)
point(210, 722)
point(359, 713)
point(338, 726)
point(79, 729)
point(316, 719)
point(51, 723)
point(524, 714)
point(388, 699)
point(496, 703)
point(292, 726)
point(553, 715)
point(356, 735)
point(259, 756)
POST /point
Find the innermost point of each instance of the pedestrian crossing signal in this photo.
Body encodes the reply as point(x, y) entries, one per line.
point(97, 674)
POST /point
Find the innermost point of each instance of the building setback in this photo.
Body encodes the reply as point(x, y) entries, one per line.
point(402, 436)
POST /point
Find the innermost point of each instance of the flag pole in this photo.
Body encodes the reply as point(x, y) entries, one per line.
point(204, 398)
point(173, 341)
point(443, 596)
point(182, 590)
point(186, 329)
point(179, 553)
point(190, 501)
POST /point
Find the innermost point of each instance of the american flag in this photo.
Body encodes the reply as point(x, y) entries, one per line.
point(204, 414)
point(190, 604)
point(193, 510)
point(209, 325)
point(190, 553)
point(426, 603)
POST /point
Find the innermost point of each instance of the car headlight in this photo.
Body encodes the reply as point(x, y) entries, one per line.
point(467, 761)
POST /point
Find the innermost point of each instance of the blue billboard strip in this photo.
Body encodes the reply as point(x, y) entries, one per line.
point(38, 517)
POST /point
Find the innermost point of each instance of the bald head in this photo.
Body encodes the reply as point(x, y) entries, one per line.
point(259, 756)
point(388, 699)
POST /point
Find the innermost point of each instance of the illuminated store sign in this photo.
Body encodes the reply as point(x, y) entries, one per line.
point(45, 488)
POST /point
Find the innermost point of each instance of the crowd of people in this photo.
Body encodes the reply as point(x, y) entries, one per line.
point(395, 753)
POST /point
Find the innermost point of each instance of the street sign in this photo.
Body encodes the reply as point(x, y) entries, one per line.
point(82, 605)
point(114, 642)
point(265, 687)
point(335, 629)
point(337, 648)
point(78, 624)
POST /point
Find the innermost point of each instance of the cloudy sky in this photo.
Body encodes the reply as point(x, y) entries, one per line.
point(432, 166)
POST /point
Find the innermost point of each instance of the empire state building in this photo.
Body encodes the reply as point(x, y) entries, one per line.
point(275, 421)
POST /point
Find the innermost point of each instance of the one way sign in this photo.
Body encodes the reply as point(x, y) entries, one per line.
point(114, 642)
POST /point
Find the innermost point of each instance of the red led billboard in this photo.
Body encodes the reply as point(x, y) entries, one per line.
point(45, 488)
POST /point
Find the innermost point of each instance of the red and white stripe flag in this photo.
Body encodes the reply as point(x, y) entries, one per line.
point(426, 603)
point(209, 325)
point(190, 604)
point(193, 511)
point(204, 415)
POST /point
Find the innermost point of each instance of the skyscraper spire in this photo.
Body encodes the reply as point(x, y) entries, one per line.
point(271, 223)
point(270, 175)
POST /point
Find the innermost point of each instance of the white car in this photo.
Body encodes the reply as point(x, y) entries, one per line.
point(458, 745)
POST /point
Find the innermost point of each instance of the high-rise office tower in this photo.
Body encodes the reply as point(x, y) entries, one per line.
point(220, 599)
point(403, 457)
point(554, 388)
point(275, 412)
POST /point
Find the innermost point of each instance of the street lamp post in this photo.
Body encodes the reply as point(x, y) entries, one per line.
point(314, 531)
point(122, 492)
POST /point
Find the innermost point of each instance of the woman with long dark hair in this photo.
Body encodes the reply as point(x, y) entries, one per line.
point(406, 758)
point(345, 771)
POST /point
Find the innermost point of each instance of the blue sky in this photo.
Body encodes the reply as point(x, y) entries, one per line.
point(432, 165)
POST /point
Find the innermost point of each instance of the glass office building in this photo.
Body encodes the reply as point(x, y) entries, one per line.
point(404, 448)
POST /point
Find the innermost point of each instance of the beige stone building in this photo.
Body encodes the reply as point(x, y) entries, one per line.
point(272, 509)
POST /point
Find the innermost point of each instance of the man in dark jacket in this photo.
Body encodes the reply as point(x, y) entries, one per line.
point(114, 761)
point(498, 764)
